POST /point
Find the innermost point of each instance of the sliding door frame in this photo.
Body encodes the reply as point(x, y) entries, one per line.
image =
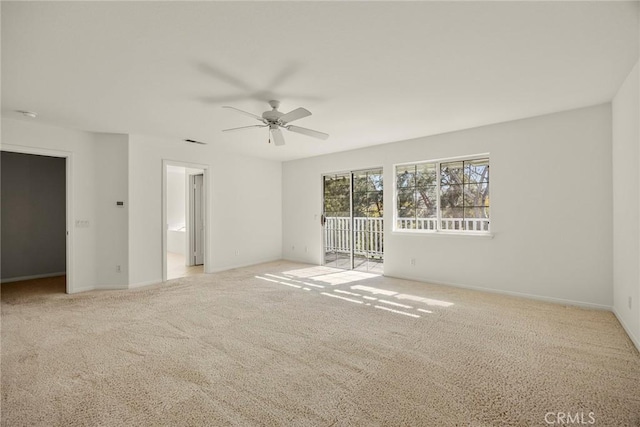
point(351, 174)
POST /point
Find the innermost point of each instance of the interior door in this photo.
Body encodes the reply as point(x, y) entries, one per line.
point(198, 219)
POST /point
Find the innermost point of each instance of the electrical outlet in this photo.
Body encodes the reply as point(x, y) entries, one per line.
point(630, 301)
point(306, 249)
point(118, 270)
point(293, 248)
point(412, 261)
point(237, 252)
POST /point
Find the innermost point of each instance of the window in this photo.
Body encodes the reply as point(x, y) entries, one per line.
point(449, 195)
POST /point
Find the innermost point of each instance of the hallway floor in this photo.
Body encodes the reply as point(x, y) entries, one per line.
point(176, 267)
point(44, 286)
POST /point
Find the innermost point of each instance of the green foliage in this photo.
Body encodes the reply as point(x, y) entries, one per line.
point(464, 189)
point(416, 191)
point(367, 194)
point(336, 195)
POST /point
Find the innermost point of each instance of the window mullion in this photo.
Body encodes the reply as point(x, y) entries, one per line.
point(415, 197)
point(438, 213)
point(463, 226)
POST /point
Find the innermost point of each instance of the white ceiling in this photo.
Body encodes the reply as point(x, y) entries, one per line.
point(370, 72)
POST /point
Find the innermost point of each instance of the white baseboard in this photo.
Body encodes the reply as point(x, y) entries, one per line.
point(113, 287)
point(215, 270)
point(146, 283)
point(82, 289)
point(35, 276)
point(635, 340)
point(301, 260)
point(513, 294)
point(249, 264)
point(110, 287)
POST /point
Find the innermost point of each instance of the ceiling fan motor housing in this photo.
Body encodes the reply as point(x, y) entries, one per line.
point(272, 116)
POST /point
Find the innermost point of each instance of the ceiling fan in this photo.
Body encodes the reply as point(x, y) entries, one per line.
point(275, 120)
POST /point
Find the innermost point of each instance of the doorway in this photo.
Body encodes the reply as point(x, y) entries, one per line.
point(36, 221)
point(353, 224)
point(185, 218)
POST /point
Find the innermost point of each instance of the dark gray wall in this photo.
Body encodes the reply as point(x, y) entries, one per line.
point(33, 211)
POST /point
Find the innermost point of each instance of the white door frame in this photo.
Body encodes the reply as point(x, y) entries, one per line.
point(191, 240)
point(207, 211)
point(68, 156)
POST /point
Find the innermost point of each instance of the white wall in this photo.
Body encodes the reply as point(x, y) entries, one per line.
point(245, 202)
point(112, 222)
point(91, 259)
point(176, 209)
point(176, 198)
point(550, 208)
point(626, 204)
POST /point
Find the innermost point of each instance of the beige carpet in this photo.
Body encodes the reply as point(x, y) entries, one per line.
point(235, 349)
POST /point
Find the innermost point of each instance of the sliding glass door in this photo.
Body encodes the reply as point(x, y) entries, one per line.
point(367, 213)
point(353, 220)
point(337, 220)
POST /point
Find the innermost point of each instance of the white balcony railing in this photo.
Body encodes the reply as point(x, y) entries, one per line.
point(368, 232)
point(448, 224)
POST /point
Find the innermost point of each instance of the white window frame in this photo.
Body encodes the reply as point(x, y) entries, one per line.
point(438, 230)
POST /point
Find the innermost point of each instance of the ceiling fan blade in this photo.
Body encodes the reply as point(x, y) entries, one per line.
point(246, 113)
point(308, 132)
point(222, 99)
point(285, 74)
point(224, 76)
point(296, 114)
point(244, 127)
point(276, 133)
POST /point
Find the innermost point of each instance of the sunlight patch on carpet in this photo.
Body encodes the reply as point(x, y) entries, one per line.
point(334, 278)
point(377, 291)
point(328, 275)
point(396, 311)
